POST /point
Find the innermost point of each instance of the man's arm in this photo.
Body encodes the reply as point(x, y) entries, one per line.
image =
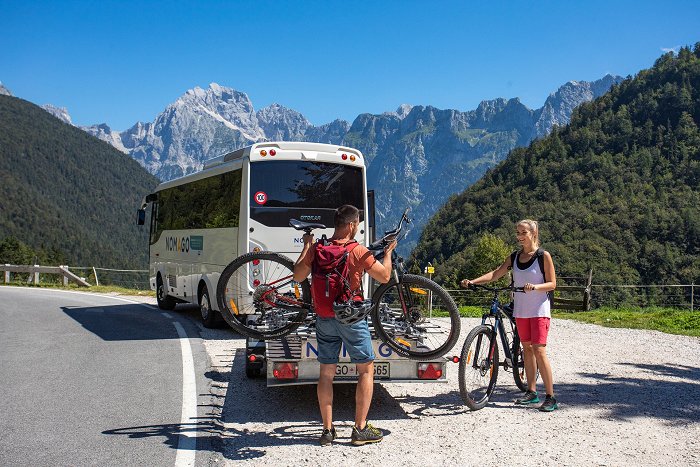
point(301, 267)
point(382, 271)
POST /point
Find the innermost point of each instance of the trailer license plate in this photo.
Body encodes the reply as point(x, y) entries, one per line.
point(349, 370)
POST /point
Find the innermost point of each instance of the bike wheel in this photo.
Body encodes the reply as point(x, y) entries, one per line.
point(478, 367)
point(519, 365)
point(427, 329)
point(258, 297)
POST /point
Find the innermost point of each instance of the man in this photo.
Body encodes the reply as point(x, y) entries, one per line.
point(330, 333)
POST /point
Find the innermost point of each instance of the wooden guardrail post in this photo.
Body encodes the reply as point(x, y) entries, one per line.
point(36, 274)
point(64, 277)
point(7, 275)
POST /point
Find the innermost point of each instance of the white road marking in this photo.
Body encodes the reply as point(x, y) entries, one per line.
point(187, 441)
point(167, 315)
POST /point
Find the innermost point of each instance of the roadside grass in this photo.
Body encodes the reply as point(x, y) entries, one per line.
point(114, 289)
point(668, 320)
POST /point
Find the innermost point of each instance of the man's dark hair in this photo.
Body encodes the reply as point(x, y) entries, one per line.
point(345, 214)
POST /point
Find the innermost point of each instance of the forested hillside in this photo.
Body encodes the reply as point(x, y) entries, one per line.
point(65, 192)
point(617, 190)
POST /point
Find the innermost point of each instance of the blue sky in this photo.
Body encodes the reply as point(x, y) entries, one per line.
point(120, 62)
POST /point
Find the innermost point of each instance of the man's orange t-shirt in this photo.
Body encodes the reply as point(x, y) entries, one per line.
point(360, 260)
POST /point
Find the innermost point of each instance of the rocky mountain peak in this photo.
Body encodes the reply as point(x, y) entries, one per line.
point(560, 104)
point(60, 113)
point(281, 123)
point(4, 91)
point(403, 110)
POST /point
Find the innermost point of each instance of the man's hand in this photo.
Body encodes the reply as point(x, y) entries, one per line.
point(465, 284)
point(308, 239)
point(390, 246)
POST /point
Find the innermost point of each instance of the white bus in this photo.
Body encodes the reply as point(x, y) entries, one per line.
point(242, 202)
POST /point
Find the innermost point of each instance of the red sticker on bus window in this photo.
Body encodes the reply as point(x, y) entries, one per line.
point(261, 197)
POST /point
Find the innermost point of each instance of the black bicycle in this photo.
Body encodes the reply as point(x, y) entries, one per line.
point(480, 360)
point(258, 297)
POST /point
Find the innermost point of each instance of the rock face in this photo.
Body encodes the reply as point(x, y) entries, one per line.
point(559, 105)
point(417, 156)
point(60, 113)
point(4, 91)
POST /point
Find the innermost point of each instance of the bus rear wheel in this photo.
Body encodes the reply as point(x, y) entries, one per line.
point(210, 317)
point(165, 302)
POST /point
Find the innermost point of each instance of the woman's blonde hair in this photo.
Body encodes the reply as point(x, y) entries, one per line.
point(533, 227)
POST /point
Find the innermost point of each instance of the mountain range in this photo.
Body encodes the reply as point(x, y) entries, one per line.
point(418, 156)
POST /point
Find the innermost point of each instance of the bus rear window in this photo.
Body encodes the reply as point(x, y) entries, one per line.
point(304, 190)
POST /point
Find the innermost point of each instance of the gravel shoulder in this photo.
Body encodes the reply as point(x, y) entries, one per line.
point(626, 397)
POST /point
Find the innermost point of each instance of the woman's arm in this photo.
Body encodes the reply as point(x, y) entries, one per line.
point(489, 276)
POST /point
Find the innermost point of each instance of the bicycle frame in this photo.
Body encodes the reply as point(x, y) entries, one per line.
point(497, 313)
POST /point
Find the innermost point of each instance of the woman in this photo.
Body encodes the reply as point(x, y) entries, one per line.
point(532, 308)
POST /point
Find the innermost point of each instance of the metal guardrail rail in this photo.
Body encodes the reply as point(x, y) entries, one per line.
point(35, 270)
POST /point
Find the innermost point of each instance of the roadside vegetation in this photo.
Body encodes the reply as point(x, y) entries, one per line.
point(668, 320)
point(95, 288)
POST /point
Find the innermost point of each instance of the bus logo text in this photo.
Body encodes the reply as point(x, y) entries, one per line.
point(184, 244)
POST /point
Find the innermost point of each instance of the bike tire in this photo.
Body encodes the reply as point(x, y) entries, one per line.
point(477, 382)
point(430, 333)
point(519, 365)
point(238, 294)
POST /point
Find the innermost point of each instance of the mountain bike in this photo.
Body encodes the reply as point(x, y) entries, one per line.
point(258, 297)
point(479, 361)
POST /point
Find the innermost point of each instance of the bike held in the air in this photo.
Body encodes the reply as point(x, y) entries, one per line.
point(412, 314)
point(480, 360)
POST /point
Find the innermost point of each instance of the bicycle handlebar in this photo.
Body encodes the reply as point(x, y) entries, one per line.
point(391, 234)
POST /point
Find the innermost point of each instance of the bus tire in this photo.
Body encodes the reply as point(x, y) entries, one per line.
point(165, 302)
point(210, 317)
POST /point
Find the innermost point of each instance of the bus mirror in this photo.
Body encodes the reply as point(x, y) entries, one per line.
point(140, 216)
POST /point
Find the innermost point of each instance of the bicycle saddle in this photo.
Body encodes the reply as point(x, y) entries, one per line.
point(299, 225)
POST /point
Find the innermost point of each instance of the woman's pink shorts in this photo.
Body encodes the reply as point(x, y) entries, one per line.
point(534, 330)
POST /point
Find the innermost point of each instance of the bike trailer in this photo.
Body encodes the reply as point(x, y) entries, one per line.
point(291, 360)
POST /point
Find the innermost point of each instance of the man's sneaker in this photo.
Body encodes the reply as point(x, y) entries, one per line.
point(368, 434)
point(549, 404)
point(327, 436)
point(529, 399)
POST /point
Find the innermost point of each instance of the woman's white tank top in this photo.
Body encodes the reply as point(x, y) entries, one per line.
point(533, 304)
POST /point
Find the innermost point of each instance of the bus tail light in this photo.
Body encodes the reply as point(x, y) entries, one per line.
point(272, 152)
point(429, 371)
point(352, 158)
point(256, 283)
point(285, 370)
point(344, 157)
point(263, 153)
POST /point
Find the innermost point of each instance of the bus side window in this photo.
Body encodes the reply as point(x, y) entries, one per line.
point(154, 234)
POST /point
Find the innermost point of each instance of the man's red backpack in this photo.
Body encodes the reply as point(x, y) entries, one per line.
point(330, 276)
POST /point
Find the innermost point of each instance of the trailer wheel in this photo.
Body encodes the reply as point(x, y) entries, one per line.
point(252, 372)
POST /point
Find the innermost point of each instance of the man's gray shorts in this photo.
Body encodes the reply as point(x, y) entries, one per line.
point(330, 334)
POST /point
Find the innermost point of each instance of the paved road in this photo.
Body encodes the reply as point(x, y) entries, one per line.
point(95, 380)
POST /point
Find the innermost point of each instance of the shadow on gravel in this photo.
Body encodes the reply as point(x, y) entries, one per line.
point(295, 408)
point(674, 401)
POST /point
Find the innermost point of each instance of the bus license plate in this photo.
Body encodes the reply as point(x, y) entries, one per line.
point(349, 370)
